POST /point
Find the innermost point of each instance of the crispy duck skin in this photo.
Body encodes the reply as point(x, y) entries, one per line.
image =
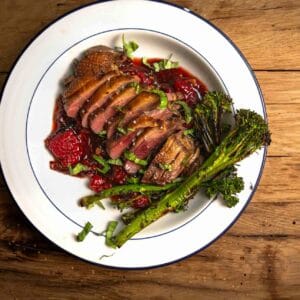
point(150, 140)
point(79, 92)
point(100, 116)
point(103, 93)
point(171, 160)
point(145, 101)
point(98, 60)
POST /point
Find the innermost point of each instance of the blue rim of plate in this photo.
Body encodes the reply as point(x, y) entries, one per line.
point(264, 148)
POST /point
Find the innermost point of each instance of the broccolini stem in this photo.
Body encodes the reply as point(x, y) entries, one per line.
point(124, 189)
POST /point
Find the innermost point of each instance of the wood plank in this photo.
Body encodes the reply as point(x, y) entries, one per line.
point(284, 123)
point(229, 268)
point(247, 24)
point(280, 181)
point(258, 220)
point(279, 87)
point(264, 30)
point(22, 20)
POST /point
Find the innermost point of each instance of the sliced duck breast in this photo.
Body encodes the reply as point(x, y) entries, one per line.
point(99, 118)
point(150, 140)
point(103, 93)
point(171, 160)
point(80, 90)
point(116, 146)
point(145, 101)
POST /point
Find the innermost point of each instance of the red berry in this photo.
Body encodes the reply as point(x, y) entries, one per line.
point(140, 202)
point(68, 147)
point(118, 175)
point(98, 183)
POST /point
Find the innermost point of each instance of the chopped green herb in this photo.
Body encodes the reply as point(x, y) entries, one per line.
point(86, 229)
point(100, 204)
point(165, 64)
point(129, 47)
point(166, 167)
point(102, 162)
point(145, 62)
point(132, 157)
point(187, 111)
point(163, 98)
point(189, 132)
point(137, 87)
point(119, 108)
point(133, 180)
point(102, 133)
point(121, 130)
point(78, 168)
point(94, 201)
point(117, 162)
point(109, 234)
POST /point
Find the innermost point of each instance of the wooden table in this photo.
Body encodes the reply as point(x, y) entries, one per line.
point(259, 257)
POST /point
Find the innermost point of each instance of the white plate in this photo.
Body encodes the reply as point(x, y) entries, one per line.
point(48, 198)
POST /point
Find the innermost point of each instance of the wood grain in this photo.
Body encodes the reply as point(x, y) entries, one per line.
point(259, 257)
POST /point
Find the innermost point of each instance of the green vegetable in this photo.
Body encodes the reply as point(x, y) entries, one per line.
point(109, 233)
point(116, 162)
point(129, 216)
point(209, 120)
point(132, 157)
point(125, 189)
point(122, 130)
point(187, 111)
point(189, 132)
point(78, 168)
point(99, 203)
point(129, 47)
point(165, 64)
point(102, 162)
point(136, 86)
point(102, 133)
point(119, 108)
point(86, 229)
point(227, 184)
point(145, 62)
point(166, 167)
point(250, 134)
point(133, 180)
point(163, 98)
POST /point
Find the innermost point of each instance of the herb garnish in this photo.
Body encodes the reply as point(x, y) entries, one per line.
point(78, 168)
point(109, 234)
point(132, 157)
point(86, 229)
point(129, 47)
point(163, 98)
point(102, 162)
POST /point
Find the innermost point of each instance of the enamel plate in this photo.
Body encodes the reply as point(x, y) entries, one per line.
point(50, 199)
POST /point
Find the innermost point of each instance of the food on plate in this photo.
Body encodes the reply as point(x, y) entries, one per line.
point(148, 135)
